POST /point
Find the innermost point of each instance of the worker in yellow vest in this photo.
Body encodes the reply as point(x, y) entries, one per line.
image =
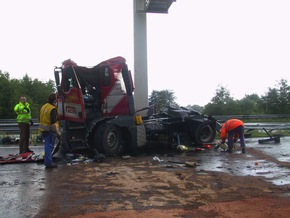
point(49, 127)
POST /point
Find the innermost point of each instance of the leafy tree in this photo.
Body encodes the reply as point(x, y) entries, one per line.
point(222, 103)
point(284, 96)
point(231, 107)
point(250, 104)
point(222, 95)
point(277, 100)
point(160, 99)
point(6, 96)
point(271, 101)
point(35, 91)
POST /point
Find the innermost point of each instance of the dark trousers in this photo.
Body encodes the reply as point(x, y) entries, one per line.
point(231, 134)
point(24, 137)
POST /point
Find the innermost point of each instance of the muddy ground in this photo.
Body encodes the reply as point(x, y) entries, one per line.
point(255, 184)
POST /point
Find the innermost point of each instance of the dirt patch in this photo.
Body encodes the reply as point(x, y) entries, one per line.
point(143, 187)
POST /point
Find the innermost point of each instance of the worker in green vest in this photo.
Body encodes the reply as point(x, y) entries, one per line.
point(23, 112)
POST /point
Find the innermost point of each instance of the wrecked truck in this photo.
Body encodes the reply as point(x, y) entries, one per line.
point(97, 112)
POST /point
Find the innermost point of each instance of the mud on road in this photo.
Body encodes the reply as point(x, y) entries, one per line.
point(220, 185)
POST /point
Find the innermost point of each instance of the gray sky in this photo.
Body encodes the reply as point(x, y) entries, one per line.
point(243, 45)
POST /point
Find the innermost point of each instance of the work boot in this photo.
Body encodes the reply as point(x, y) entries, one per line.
point(243, 150)
point(51, 166)
point(229, 150)
point(216, 147)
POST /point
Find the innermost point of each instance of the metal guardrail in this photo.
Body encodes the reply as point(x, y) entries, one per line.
point(223, 118)
point(268, 126)
point(251, 126)
point(7, 121)
point(10, 125)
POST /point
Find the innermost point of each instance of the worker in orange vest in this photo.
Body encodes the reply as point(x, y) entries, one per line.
point(232, 130)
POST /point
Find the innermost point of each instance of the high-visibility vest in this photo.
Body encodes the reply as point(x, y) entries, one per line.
point(23, 112)
point(44, 121)
point(228, 126)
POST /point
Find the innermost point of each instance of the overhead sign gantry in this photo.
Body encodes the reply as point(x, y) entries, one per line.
point(157, 6)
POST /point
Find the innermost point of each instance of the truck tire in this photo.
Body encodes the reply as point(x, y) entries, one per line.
point(108, 139)
point(203, 133)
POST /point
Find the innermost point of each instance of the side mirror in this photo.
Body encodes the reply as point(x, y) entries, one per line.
point(56, 76)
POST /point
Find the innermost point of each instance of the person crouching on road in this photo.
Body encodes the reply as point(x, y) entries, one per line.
point(23, 113)
point(49, 128)
point(233, 129)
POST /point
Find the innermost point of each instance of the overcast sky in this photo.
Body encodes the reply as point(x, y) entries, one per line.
point(243, 45)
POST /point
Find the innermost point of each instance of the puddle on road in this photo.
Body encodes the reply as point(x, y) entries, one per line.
point(281, 181)
point(284, 159)
point(271, 171)
point(234, 164)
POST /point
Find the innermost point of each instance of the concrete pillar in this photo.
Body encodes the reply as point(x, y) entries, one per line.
point(140, 56)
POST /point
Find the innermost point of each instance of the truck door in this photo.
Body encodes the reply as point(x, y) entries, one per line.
point(113, 95)
point(70, 100)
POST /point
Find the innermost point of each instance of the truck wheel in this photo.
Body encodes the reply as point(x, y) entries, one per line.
point(203, 133)
point(108, 139)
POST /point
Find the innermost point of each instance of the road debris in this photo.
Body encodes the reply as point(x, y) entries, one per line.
point(157, 159)
point(185, 163)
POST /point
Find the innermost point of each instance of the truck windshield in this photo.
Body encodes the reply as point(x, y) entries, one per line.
point(69, 80)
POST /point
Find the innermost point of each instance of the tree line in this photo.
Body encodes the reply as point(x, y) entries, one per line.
point(275, 101)
point(35, 91)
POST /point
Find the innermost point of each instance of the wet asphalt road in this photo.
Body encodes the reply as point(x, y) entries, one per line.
point(23, 185)
point(235, 164)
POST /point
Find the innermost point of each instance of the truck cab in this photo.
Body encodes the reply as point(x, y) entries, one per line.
point(96, 110)
point(93, 100)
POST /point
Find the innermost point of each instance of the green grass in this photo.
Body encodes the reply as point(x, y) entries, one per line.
point(261, 133)
point(264, 120)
